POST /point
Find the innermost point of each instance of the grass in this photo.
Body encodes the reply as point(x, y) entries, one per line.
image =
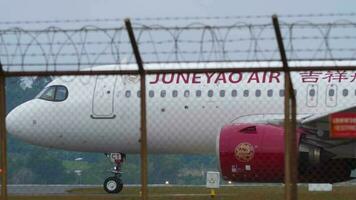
point(201, 193)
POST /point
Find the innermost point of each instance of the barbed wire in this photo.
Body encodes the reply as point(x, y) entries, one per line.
point(197, 18)
point(89, 46)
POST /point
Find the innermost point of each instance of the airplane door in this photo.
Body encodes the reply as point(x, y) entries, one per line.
point(103, 97)
point(331, 95)
point(312, 95)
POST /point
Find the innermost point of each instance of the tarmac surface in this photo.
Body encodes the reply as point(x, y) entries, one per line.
point(33, 189)
point(44, 189)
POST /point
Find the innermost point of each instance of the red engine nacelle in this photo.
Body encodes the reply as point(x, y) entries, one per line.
point(252, 152)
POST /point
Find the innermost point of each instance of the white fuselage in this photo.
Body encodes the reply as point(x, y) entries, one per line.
point(102, 113)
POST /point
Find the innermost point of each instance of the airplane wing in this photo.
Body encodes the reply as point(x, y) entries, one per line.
point(317, 128)
point(318, 121)
point(341, 148)
point(321, 120)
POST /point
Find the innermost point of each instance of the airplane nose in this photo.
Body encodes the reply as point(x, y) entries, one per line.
point(22, 123)
point(17, 122)
point(12, 122)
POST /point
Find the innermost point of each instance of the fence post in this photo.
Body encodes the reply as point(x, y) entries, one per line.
point(290, 142)
point(143, 139)
point(3, 140)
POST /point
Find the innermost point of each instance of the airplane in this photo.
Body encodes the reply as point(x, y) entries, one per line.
point(237, 115)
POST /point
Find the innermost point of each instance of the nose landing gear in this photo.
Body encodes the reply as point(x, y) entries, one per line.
point(114, 184)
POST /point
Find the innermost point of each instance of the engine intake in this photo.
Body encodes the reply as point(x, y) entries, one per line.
point(255, 153)
point(252, 153)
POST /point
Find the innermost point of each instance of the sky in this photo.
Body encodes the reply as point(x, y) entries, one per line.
point(31, 10)
point(13, 10)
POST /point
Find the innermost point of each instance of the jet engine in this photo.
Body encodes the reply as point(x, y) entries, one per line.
point(255, 153)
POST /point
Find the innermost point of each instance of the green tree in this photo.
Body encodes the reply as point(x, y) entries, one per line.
point(47, 169)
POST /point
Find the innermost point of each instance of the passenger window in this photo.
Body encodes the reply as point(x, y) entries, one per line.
point(281, 93)
point(312, 92)
point(222, 93)
point(246, 93)
point(174, 93)
point(151, 93)
point(127, 93)
point(163, 93)
point(198, 93)
point(258, 93)
point(331, 92)
point(270, 93)
point(234, 93)
point(186, 93)
point(210, 93)
point(345, 92)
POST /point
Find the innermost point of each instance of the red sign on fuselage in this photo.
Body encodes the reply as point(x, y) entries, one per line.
point(343, 125)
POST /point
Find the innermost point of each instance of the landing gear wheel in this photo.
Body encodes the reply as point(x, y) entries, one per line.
point(113, 185)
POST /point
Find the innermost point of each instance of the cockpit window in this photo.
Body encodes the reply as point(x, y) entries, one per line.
point(55, 93)
point(61, 93)
point(49, 94)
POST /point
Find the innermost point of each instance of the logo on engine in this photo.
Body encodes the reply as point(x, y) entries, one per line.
point(244, 152)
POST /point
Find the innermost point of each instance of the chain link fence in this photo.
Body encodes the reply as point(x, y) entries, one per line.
point(215, 100)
